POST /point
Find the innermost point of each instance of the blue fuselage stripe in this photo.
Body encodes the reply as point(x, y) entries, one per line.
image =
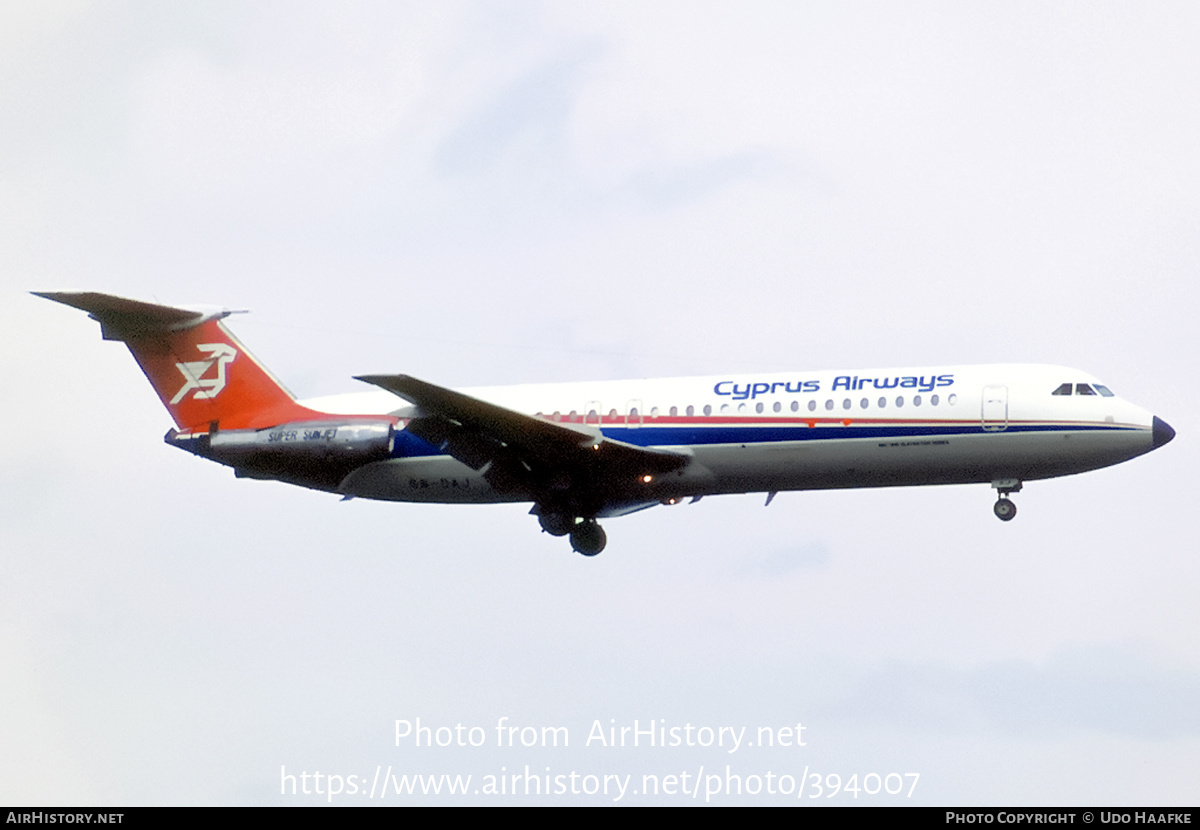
point(409, 446)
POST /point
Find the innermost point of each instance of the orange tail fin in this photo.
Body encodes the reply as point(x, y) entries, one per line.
point(201, 372)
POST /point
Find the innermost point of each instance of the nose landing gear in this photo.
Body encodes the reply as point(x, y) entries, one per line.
point(1004, 509)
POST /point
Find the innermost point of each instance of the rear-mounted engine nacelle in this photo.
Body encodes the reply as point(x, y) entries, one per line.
point(355, 442)
point(316, 454)
point(302, 444)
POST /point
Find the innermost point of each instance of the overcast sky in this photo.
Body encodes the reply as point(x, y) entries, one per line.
point(515, 192)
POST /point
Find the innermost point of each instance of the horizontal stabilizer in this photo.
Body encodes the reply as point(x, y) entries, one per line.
point(121, 318)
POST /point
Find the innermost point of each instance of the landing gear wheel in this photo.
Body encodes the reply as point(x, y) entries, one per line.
point(556, 524)
point(588, 538)
point(1005, 510)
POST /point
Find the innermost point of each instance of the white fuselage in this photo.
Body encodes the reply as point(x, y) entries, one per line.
point(797, 431)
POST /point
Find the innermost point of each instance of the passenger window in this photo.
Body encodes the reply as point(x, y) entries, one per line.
point(1083, 389)
point(654, 412)
point(829, 404)
point(933, 400)
point(795, 406)
point(952, 400)
point(708, 409)
point(758, 407)
point(846, 403)
point(1065, 389)
point(691, 410)
point(916, 400)
point(812, 406)
point(883, 403)
point(674, 411)
point(900, 401)
point(724, 408)
point(864, 403)
point(612, 414)
point(778, 406)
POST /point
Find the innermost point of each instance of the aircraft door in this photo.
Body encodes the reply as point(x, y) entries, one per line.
point(995, 408)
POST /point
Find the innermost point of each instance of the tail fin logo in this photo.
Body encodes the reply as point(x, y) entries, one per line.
point(220, 355)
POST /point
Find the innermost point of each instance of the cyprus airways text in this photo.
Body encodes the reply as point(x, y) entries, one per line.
point(849, 383)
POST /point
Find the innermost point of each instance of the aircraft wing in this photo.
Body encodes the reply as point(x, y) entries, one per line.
point(554, 462)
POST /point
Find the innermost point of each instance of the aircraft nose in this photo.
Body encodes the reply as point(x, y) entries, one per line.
point(1162, 432)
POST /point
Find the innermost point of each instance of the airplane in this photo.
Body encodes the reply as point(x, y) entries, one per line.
point(581, 452)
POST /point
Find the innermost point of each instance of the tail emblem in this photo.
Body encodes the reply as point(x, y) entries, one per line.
point(219, 354)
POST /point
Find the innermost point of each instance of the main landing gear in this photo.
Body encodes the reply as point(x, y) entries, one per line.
point(1004, 509)
point(587, 537)
point(556, 524)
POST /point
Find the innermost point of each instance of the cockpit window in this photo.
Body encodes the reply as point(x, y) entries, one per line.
point(1083, 389)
